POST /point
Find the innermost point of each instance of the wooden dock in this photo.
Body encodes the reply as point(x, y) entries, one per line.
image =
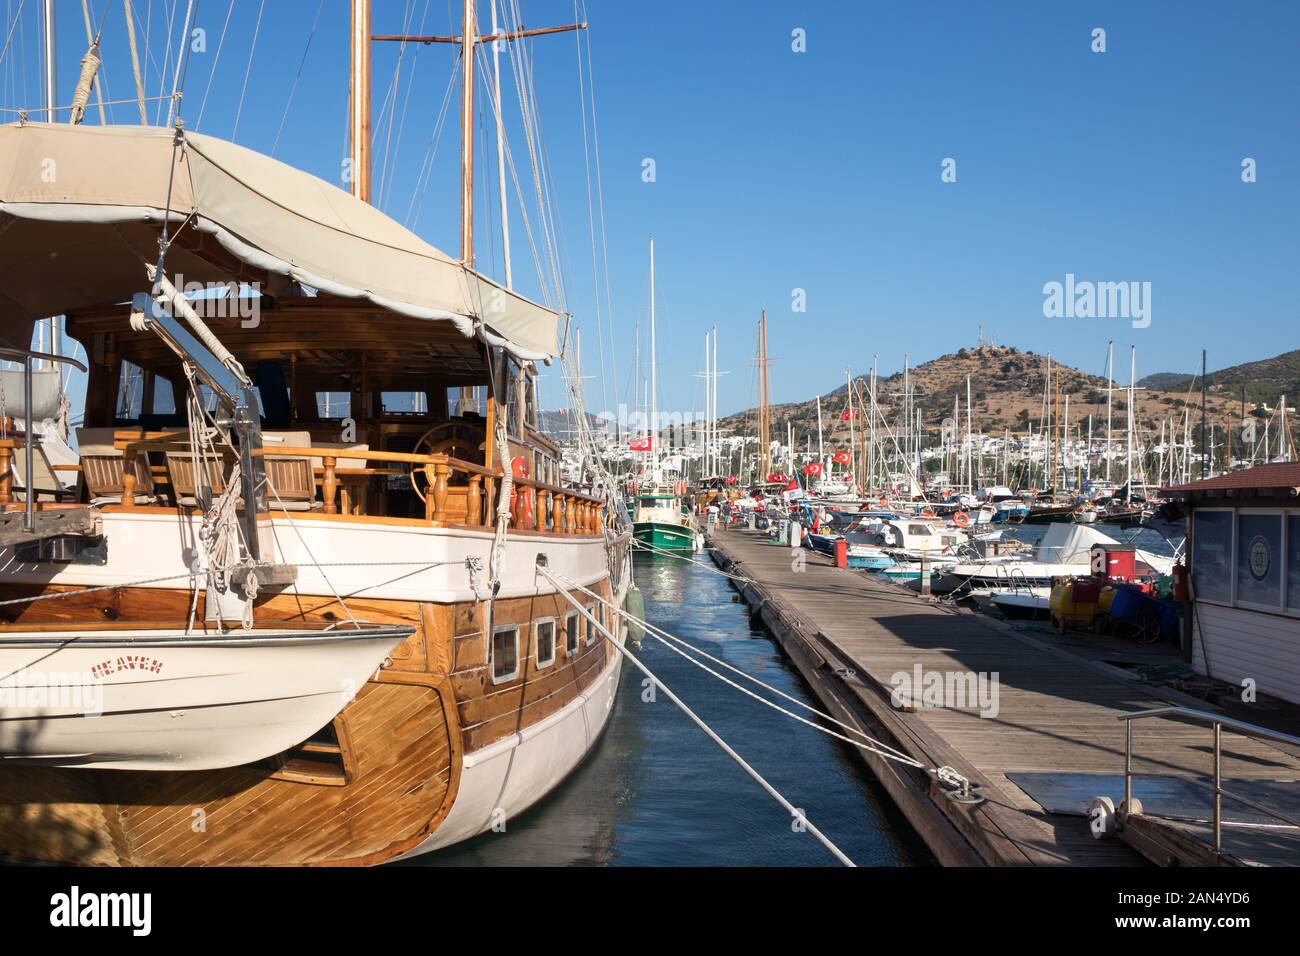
point(1057, 715)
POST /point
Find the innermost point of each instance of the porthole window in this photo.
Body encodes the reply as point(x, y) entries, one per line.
point(505, 654)
point(545, 643)
point(571, 634)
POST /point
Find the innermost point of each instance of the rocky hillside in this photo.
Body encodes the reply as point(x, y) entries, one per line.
point(1007, 391)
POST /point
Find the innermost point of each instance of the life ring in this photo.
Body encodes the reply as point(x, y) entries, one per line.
point(961, 519)
point(884, 502)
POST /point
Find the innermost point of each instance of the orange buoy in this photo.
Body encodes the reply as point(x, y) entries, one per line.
point(961, 519)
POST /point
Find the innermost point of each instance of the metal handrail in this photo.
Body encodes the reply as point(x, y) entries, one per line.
point(27, 356)
point(1218, 722)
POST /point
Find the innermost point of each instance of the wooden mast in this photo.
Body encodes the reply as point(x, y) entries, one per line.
point(468, 41)
point(359, 93)
point(467, 38)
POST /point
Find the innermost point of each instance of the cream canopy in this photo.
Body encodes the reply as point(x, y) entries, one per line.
point(82, 206)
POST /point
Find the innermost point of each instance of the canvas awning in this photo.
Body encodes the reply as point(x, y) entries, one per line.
point(80, 206)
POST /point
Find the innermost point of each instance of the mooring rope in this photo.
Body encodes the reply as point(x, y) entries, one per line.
point(642, 546)
point(867, 743)
point(726, 748)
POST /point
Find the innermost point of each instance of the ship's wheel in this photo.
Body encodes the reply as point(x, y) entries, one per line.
point(456, 439)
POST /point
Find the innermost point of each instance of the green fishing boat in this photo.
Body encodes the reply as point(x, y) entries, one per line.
point(660, 523)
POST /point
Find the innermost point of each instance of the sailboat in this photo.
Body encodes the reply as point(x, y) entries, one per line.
point(661, 521)
point(291, 622)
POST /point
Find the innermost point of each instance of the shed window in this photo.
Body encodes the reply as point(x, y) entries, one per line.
point(1212, 555)
point(545, 641)
point(1259, 559)
point(505, 654)
point(1293, 562)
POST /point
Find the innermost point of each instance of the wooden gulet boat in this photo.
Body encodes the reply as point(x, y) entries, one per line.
point(404, 524)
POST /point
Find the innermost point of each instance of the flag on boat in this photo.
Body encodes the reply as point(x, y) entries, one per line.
point(847, 415)
point(840, 458)
point(645, 443)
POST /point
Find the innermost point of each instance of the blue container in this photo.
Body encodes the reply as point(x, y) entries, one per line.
point(1127, 605)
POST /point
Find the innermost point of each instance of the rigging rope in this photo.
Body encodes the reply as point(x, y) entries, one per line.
point(709, 731)
point(252, 49)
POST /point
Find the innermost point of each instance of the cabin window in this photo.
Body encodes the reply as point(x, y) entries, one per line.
point(466, 400)
point(1212, 555)
point(130, 391)
point(918, 529)
point(1259, 559)
point(404, 403)
point(505, 653)
point(333, 405)
point(545, 643)
point(591, 625)
point(571, 634)
point(164, 396)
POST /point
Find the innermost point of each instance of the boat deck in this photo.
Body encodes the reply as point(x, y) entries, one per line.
point(1057, 715)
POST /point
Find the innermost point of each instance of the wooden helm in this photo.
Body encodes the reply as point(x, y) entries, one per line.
point(455, 439)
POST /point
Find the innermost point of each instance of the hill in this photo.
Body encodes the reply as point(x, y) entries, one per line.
point(1264, 381)
point(1007, 392)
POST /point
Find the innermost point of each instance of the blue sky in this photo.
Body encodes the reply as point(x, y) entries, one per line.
point(820, 170)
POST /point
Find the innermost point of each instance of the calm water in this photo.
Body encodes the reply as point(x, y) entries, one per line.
point(656, 792)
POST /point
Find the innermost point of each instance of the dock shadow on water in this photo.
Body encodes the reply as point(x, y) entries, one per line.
point(656, 791)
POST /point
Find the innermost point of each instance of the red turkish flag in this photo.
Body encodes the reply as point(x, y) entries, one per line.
point(641, 444)
point(840, 458)
point(846, 415)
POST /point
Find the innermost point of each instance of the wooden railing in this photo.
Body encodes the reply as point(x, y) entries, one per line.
point(459, 492)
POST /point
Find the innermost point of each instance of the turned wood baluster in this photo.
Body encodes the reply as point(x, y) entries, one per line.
point(474, 501)
point(543, 505)
point(329, 484)
point(557, 522)
point(442, 472)
point(128, 479)
point(6, 476)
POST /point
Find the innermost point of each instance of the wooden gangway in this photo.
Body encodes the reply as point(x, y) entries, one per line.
point(1058, 715)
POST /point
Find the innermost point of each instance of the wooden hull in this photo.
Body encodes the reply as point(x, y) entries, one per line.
point(429, 740)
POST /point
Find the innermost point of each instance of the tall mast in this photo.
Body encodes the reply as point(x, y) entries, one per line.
point(713, 406)
point(654, 375)
point(467, 43)
point(1132, 418)
point(359, 91)
point(501, 150)
point(1110, 374)
point(51, 60)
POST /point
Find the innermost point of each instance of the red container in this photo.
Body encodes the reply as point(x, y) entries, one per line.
point(841, 553)
point(1121, 562)
point(1085, 590)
